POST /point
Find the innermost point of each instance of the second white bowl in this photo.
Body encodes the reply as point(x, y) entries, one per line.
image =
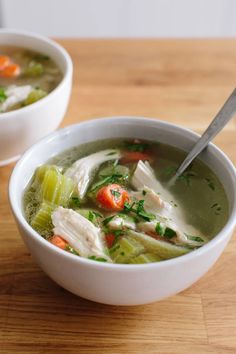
point(20, 128)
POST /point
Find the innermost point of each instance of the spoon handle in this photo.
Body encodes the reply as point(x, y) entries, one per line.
point(222, 117)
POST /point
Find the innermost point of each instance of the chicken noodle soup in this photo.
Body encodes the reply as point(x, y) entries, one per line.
point(110, 201)
point(25, 77)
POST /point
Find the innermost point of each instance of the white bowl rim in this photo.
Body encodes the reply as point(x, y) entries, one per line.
point(228, 227)
point(68, 72)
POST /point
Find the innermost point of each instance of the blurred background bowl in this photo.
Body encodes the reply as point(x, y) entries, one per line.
point(22, 127)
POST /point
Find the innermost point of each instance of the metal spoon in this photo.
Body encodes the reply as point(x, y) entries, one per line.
point(223, 116)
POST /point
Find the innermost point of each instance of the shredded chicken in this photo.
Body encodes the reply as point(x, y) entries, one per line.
point(79, 232)
point(119, 222)
point(160, 202)
point(82, 170)
point(15, 94)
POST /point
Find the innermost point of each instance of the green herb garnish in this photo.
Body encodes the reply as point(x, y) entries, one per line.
point(185, 177)
point(195, 238)
point(140, 147)
point(164, 231)
point(3, 95)
point(118, 233)
point(115, 193)
point(107, 220)
point(75, 202)
point(169, 233)
point(160, 229)
point(217, 208)
point(210, 183)
point(116, 177)
point(138, 209)
point(98, 259)
point(71, 250)
point(93, 215)
point(170, 170)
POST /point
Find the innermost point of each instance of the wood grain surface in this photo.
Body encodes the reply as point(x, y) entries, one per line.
point(180, 81)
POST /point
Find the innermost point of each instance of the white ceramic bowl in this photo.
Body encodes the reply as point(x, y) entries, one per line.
point(114, 283)
point(21, 128)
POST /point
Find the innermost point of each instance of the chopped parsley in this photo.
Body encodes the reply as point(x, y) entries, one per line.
point(75, 202)
point(71, 250)
point(93, 215)
point(114, 178)
point(217, 208)
point(195, 238)
point(210, 183)
point(170, 170)
point(163, 231)
point(98, 259)
point(118, 233)
point(107, 220)
point(169, 233)
point(185, 177)
point(138, 209)
point(3, 95)
point(160, 229)
point(139, 147)
point(115, 193)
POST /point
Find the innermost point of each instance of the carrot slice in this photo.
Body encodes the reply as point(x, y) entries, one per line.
point(59, 242)
point(134, 156)
point(4, 61)
point(112, 197)
point(110, 239)
point(10, 71)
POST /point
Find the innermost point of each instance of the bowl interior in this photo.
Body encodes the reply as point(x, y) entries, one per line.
point(149, 129)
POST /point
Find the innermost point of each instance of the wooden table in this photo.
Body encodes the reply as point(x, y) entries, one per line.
point(181, 81)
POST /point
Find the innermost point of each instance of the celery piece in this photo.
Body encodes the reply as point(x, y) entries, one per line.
point(56, 188)
point(41, 221)
point(34, 96)
point(34, 69)
point(163, 249)
point(145, 258)
point(125, 249)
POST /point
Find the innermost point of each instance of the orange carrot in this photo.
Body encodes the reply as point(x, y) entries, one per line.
point(134, 156)
point(10, 71)
point(110, 239)
point(4, 61)
point(112, 197)
point(59, 242)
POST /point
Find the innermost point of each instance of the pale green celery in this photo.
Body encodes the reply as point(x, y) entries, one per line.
point(34, 96)
point(34, 69)
point(41, 221)
point(56, 188)
point(145, 258)
point(125, 249)
point(163, 249)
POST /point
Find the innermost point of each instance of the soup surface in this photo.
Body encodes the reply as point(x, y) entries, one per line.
point(111, 201)
point(25, 77)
